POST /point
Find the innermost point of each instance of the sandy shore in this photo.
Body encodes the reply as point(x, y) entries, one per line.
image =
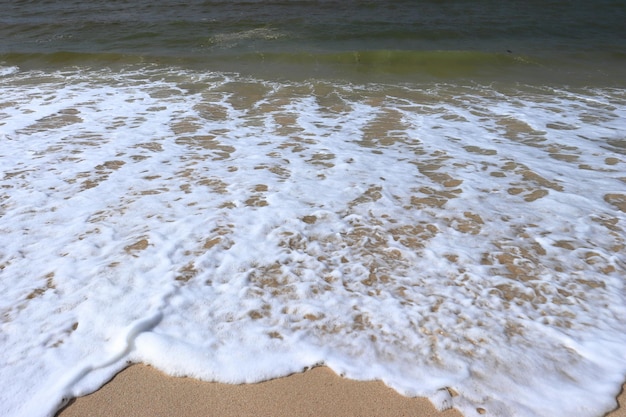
point(143, 391)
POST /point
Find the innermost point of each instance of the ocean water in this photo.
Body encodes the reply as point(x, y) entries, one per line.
point(429, 193)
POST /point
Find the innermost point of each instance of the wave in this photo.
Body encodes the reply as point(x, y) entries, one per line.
point(433, 62)
point(64, 58)
point(409, 65)
point(446, 62)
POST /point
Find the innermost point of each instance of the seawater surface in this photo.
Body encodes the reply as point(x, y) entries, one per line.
point(421, 206)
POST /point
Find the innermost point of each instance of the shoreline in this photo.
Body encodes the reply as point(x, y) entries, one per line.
point(141, 390)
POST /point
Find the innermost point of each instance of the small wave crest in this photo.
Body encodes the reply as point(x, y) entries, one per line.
point(4, 71)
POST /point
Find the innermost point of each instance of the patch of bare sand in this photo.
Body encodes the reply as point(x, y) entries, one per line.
point(143, 391)
point(140, 390)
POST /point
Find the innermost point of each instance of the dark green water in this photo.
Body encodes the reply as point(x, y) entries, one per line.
point(545, 41)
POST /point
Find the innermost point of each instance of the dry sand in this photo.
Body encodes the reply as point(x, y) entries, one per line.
point(143, 391)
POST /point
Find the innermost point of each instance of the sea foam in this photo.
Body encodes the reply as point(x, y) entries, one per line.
point(440, 238)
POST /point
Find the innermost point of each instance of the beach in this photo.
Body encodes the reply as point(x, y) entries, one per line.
point(429, 194)
point(143, 391)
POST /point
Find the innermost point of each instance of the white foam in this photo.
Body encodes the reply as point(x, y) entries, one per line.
point(444, 239)
point(4, 71)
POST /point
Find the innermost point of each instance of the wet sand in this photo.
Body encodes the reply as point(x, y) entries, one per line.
point(143, 391)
